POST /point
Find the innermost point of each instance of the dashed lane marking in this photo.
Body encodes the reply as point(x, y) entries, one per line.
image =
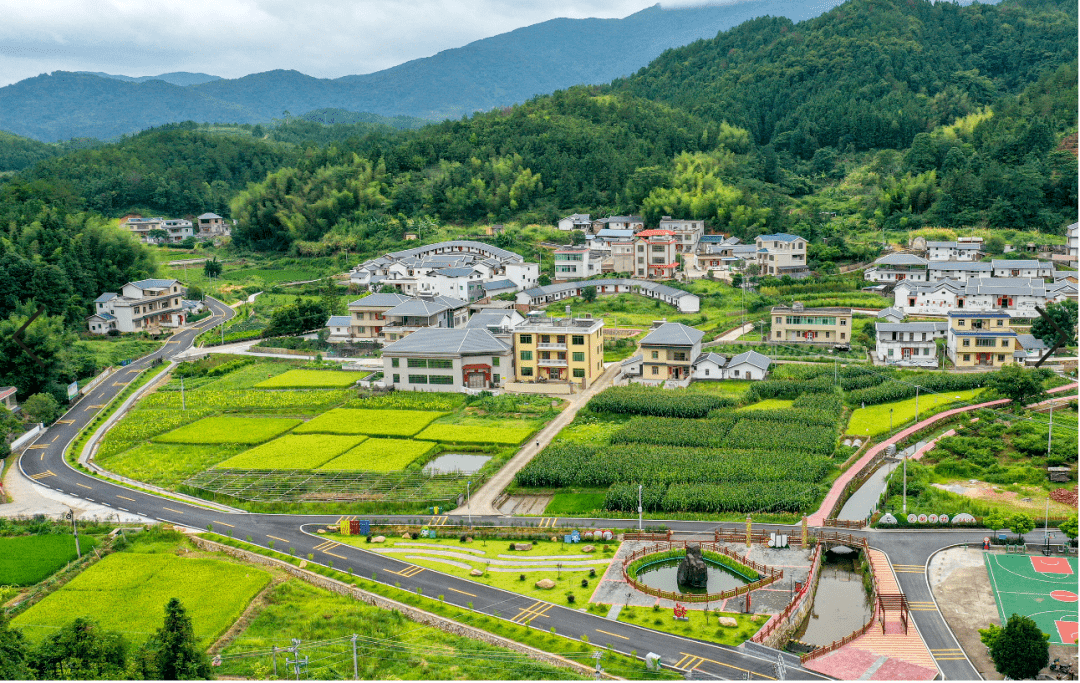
point(37, 447)
point(179, 512)
point(713, 661)
point(126, 498)
point(84, 486)
point(224, 524)
point(471, 595)
point(614, 635)
point(277, 539)
point(65, 422)
point(55, 438)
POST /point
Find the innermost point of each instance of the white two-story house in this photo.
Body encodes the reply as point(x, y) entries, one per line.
point(142, 306)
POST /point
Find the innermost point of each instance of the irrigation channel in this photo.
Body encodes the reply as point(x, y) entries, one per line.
point(864, 501)
point(841, 604)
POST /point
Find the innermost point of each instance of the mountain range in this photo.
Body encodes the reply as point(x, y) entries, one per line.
point(494, 72)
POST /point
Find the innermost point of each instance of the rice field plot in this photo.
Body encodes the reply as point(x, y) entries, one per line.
point(297, 486)
point(381, 455)
point(251, 401)
point(214, 593)
point(227, 429)
point(26, 560)
point(369, 422)
point(473, 433)
point(299, 378)
point(293, 452)
point(167, 464)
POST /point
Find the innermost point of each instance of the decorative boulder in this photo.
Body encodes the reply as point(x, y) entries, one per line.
point(468, 539)
point(303, 563)
point(692, 569)
point(407, 536)
point(320, 531)
point(523, 547)
point(589, 549)
point(476, 572)
point(887, 518)
point(379, 539)
point(728, 622)
point(545, 584)
point(963, 518)
point(554, 539)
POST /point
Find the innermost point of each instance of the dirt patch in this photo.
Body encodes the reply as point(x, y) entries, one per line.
point(1064, 496)
point(525, 505)
point(1031, 499)
point(961, 587)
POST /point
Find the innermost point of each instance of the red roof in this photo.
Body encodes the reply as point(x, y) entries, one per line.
point(6, 391)
point(654, 233)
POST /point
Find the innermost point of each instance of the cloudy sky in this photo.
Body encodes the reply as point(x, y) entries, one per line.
point(231, 38)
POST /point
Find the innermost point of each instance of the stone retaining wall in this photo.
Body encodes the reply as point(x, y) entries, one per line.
point(782, 632)
point(413, 613)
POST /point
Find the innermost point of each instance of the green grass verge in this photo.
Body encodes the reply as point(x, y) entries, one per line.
point(575, 504)
point(381, 455)
point(127, 592)
point(874, 420)
point(311, 379)
point(293, 452)
point(370, 422)
point(26, 560)
point(699, 625)
point(389, 646)
point(224, 429)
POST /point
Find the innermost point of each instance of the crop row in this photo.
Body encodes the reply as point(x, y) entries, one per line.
point(569, 464)
point(641, 400)
point(471, 433)
point(141, 425)
point(217, 399)
point(895, 390)
point(674, 431)
point(754, 496)
point(781, 437)
point(293, 452)
point(788, 389)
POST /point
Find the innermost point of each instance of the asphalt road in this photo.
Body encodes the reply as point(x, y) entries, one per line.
point(296, 533)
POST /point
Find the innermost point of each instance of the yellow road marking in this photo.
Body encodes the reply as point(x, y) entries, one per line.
point(277, 539)
point(946, 650)
point(462, 592)
point(438, 521)
point(98, 405)
point(215, 521)
point(119, 384)
point(340, 557)
point(55, 438)
point(84, 486)
point(42, 475)
point(171, 510)
point(547, 522)
point(908, 571)
point(327, 545)
point(37, 447)
point(42, 455)
point(533, 611)
point(614, 635)
point(730, 666)
point(410, 571)
point(131, 499)
point(65, 422)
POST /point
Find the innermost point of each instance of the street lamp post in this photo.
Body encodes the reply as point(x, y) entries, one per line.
point(639, 526)
point(905, 482)
point(890, 420)
point(468, 500)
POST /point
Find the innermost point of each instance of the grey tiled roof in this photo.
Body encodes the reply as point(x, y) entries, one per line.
point(389, 300)
point(426, 306)
point(780, 237)
point(912, 327)
point(1018, 264)
point(714, 357)
point(494, 251)
point(632, 359)
point(961, 265)
point(438, 340)
point(664, 290)
point(456, 272)
point(900, 260)
point(892, 310)
point(338, 321)
point(673, 334)
point(1030, 342)
point(499, 284)
point(107, 296)
point(752, 358)
point(153, 283)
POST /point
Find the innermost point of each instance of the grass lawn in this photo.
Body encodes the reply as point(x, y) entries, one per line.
point(127, 592)
point(26, 560)
point(575, 504)
point(381, 455)
point(475, 433)
point(370, 422)
point(293, 452)
point(768, 404)
point(729, 387)
point(698, 626)
point(225, 429)
point(874, 420)
point(299, 378)
point(390, 647)
point(475, 555)
point(167, 464)
point(106, 352)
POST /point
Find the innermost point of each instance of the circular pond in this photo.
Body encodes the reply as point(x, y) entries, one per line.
point(663, 575)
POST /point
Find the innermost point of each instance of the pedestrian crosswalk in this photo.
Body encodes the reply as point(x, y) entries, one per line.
point(534, 611)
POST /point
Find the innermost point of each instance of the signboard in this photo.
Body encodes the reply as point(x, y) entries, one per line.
point(365, 527)
point(73, 390)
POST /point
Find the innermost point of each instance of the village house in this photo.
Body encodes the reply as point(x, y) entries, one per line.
point(954, 251)
point(687, 233)
point(668, 353)
point(897, 267)
point(634, 223)
point(338, 328)
point(142, 306)
point(212, 225)
point(458, 268)
point(1072, 235)
point(422, 312)
point(1029, 268)
point(437, 359)
point(957, 270)
point(811, 325)
point(539, 297)
point(368, 315)
point(575, 221)
point(984, 339)
point(655, 254)
point(559, 350)
point(909, 344)
point(1015, 296)
point(576, 263)
point(782, 254)
point(7, 398)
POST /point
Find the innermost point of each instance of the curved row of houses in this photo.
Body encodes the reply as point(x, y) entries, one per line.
point(685, 302)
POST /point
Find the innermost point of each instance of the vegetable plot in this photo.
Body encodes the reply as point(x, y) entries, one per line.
point(225, 429)
point(292, 452)
point(370, 422)
point(311, 379)
point(380, 455)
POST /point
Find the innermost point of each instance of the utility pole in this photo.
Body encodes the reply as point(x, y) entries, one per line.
point(597, 655)
point(75, 531)
point(1050, 435)
point(468, 501)
point(275, 661)
point(916, 404)
point(905, 482)
point(296, 661)
point(183, 400)
point(354, 670)
point(639, 526)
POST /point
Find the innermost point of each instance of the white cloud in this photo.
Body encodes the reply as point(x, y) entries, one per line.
point(231, 38)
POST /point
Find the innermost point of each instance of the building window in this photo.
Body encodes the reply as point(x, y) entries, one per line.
point(526, 355)
point(926, 352)
point(655, 370)
point(655, 355)
point(579, 356)
point(577, 340)
point(443, 363)
point(417, 363)
point(843, 322)
point(395, 362)
point(417, 379)
point(496, 378)
point(525, 339)
point(890, 353)
point(397, 379)
point(526, 372)
point(967, 357)
point(967, 342)
point(1000, 323)
point(545, 339)
point(706, 372)
point(441, 379)
point(579, 372)
point(735, 374)
point(494, 361)
point(1001, 358)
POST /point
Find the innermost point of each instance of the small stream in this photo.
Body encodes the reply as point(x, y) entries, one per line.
point(840, 606)
point(861, 504)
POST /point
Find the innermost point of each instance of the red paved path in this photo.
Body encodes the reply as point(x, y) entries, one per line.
point(818, 518)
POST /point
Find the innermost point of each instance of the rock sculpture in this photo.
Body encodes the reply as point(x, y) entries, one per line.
point(692, 570)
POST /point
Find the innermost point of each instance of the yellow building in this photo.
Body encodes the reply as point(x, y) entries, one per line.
point(814, 325)
point(559, 350)
point(981, 339)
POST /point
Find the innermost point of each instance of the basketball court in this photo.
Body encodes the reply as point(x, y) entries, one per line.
point(1043, 588)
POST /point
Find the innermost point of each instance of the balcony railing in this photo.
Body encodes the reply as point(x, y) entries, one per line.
point(553, 346)
point(552, 362)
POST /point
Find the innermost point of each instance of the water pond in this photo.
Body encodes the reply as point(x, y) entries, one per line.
point(664, 575)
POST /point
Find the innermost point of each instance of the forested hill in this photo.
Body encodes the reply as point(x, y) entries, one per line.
point(870, 73)
point(494, 72)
